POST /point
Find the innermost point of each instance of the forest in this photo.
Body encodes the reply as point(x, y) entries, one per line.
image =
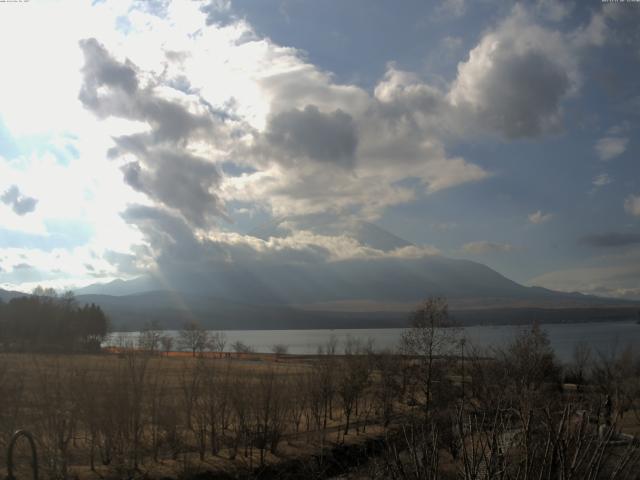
point(46, 322)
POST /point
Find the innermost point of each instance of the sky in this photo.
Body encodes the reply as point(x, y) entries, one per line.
point(145, 136)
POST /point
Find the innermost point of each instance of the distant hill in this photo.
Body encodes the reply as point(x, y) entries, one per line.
point(121, 287)
point(7, 295)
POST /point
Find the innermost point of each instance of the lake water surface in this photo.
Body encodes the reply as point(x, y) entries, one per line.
point(604, 337)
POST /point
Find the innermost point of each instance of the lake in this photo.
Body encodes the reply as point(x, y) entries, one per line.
point(604, 337)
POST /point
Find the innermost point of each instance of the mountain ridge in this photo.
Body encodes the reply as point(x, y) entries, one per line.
point(376, 291)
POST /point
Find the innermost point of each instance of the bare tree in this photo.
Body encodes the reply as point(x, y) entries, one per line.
point(580, 363)
point(386, 388)
point(217, 341)
point(150, 337)
point(430, 335)
point(167, 343)
point(280, 349)
point(193, 337)
point(240, 347)
point(531, 373)
point(352, 378)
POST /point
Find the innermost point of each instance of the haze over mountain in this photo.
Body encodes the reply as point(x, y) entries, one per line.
point(375, 290)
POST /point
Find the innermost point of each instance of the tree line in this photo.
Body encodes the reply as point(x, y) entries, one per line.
point(45, 321)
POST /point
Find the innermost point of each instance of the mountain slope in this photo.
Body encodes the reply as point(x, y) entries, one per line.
point(375, 291)
point(7, 295)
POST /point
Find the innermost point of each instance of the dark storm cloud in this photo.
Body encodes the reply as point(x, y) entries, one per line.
point(180, 181)
point(310, 133)
point(101, 69)
point(611, 239)
point(165, 232)
point(132, 172)
point(170, 120)
point(165, 169)
point(20, 204)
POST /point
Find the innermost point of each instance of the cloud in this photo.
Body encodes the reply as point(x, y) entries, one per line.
point(134, 263)
point(178, 180)
point(538, 217)
point(19, 203)
point(335, 148)
point(613, 275)
point(517, 77)
point(602, 180)
point(177, 252)
point(102, 70)
point(309, 133)
point(218, 12)
point(484, 247)
point(23, 266)
point(319, 147)
point(553, 10)
point(611, 239)
point(632, 205)
point(62, 268)
point(166, 167)
point(609, 148)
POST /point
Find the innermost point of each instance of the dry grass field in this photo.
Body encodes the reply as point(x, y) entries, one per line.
point(135, 414)
point(114, 415)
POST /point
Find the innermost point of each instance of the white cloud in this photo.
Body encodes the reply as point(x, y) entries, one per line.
point(602, 180)
point(382, 140)
point(632, 205)
point(538, 217)
point(609, 148)
point(60, 268)
point(331, 248)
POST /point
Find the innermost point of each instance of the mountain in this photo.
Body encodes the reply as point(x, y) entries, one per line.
point(361, 292)
point(121, 287)
point(7, 295)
